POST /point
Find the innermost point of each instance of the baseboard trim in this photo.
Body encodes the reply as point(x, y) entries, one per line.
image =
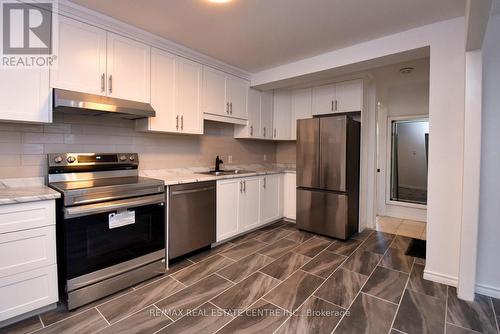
point(440, 278)
point(488, 290)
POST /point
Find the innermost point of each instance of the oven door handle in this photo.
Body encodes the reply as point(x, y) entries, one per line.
point(124, 204)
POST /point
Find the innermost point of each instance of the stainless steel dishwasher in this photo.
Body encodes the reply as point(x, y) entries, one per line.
point(191, 211)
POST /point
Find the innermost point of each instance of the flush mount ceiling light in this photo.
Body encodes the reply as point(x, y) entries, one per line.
point(219, 1)
point(406, 70)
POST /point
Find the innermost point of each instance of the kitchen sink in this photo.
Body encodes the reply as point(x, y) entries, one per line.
point(227, 172)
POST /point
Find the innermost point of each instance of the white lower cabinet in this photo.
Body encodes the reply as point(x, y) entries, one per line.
point(28, 267)
point(247, 203)
point(289, 198)
point(271, 198)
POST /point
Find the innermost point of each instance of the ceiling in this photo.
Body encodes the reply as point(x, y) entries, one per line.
point(258, 34)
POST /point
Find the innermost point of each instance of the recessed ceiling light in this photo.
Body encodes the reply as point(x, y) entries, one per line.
point(219, 1)
point(406, 70)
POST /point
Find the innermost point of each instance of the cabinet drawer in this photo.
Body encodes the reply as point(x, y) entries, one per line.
point(22, 216)
point(27, 250)
point(27, 291)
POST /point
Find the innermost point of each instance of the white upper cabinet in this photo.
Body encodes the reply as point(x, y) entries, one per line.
point(266, 114)
point(339, 97)
point(81, 64)
point(25, 95)
point(224, 96)
point(188, 102)
point(282, 115)
point(252, 130)
point(128, 69)
point(214, 92)
point(349, 96)
point(323, 99)
point(301, 107)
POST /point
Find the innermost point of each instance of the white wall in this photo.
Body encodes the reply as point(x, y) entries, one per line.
point(398, 95)
point(446, 40)
point(488, 269)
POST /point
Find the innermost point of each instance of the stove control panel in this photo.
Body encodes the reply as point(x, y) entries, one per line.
point(95, 161)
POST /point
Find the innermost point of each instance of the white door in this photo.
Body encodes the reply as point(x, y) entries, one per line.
point(249, 206)
point(301, 107)
point(237, 94)
point(266, 114)
point(81, 62)
point(128, 69)
point(163, 93)
point(214, 92)
point(323, 99)
point(189, 81)
point(270, 198)
point(349, 96)
point(254, 117)
point(228, 193)
point(25, 95)
point(282, 115)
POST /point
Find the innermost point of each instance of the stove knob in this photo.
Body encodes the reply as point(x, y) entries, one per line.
point(58, 159)
point(122, 158)
point(71, 159)
point(132, 158)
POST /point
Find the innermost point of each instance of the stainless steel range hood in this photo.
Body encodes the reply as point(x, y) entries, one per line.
point(97, 105)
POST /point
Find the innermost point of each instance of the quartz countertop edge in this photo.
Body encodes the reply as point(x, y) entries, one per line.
point(27, 194)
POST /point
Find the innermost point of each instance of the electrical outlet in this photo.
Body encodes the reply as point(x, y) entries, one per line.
point(229, 159)
point(265, 157)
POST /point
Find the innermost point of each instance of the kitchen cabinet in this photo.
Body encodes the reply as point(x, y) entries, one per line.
point(81, 62)
point(128, 68)
point(249, 204)
point(28, 276)
point(224, 96)
point(228, 193)
point(92, 60)
point(25, 96)
point(260, 116)
point(271, 198)
point(301, 107)
point(266, 114)
point(289, 195)
point(282, 115)
point(338, 97)
point(175, 95)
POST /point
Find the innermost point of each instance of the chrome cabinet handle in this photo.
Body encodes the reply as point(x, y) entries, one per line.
point(110, 84)
point(264, 131)
point(103, 82)
point(251, 130)
point(332, 105)
point(264, 181)
point(335, 105)
point(241, 186)
point(244, 186)
point(177, 122)
point(231, 108)
point(227, 107)
point(182, 122)
point(274, 132)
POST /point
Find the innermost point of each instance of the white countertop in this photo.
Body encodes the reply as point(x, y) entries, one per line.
point(25, 190)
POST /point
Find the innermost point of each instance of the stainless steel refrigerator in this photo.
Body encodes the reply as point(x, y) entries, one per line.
point(328, 175)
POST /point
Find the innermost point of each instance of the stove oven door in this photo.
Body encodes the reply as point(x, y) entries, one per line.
point(98, 242)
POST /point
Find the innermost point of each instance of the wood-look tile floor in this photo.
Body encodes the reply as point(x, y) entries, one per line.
point(282, 280)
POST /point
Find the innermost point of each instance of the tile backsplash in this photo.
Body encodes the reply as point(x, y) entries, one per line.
point(286, 152)
point(23, 147)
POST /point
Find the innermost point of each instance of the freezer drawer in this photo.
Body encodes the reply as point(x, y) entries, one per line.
point(323, 212)
point(191, 218)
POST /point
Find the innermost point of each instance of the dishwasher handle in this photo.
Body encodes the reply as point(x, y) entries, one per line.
point(190, 191)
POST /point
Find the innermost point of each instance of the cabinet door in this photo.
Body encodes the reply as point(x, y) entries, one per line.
point(237, 94)
point(301, 107)
point(228, 193)
point(282, 115)
point(25, 95)
point(254, 117)
point(323, 99)
point(81, 63)
point(214, 92)
point(249, 206)
point(270, 198)
point(289, 191)
point(266, 114)
point(163, 93)
point(349, 96)
point(128, 68)
point(189, 80)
